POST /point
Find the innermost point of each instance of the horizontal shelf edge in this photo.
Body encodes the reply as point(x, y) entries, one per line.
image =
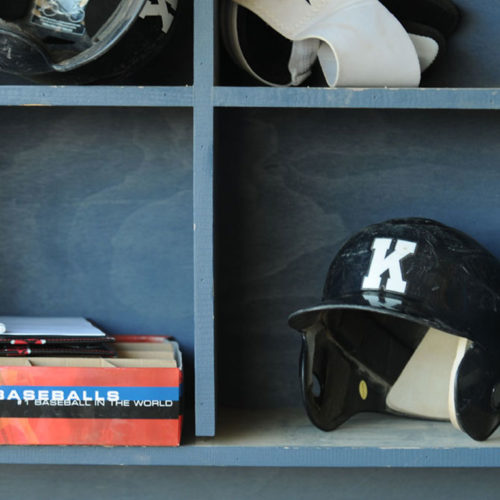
point(253, 97)
point(389, 98)
point(286, 438)
point(101, 96)
point(255, 456)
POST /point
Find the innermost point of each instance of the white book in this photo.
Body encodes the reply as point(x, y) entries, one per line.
point(49, 326)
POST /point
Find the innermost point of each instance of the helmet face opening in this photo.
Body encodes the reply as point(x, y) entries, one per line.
point(356, 361)
point(365, 361)
point(409, 319)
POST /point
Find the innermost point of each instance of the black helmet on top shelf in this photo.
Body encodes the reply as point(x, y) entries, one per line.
point(81, 41)
point(409, 324)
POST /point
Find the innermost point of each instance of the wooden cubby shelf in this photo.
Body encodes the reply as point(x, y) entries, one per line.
point(260, 185)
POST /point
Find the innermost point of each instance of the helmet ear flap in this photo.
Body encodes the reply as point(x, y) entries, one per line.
point(334, 386)
point(474, 405)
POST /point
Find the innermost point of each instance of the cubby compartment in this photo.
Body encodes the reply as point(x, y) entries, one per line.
point(113, 202)
point(290, 187)
point(96, 217)
point(171, 63)
point(470, 59)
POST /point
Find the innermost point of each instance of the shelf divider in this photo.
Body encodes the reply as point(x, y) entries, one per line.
point(203, 158)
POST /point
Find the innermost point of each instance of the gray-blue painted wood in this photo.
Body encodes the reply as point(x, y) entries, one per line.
point(299, 97)
point(203, 219)
point(262, 456)
point(91, 188)
point(95, 211)
point(472, 58)
point(292, 185)
point(253, 97)
point(147, 483)
point(285, 438)
point(34, 95)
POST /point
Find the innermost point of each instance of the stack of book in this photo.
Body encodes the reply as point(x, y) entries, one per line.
point(47, 336)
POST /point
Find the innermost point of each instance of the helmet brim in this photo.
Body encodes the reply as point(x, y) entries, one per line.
point(389, 304)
